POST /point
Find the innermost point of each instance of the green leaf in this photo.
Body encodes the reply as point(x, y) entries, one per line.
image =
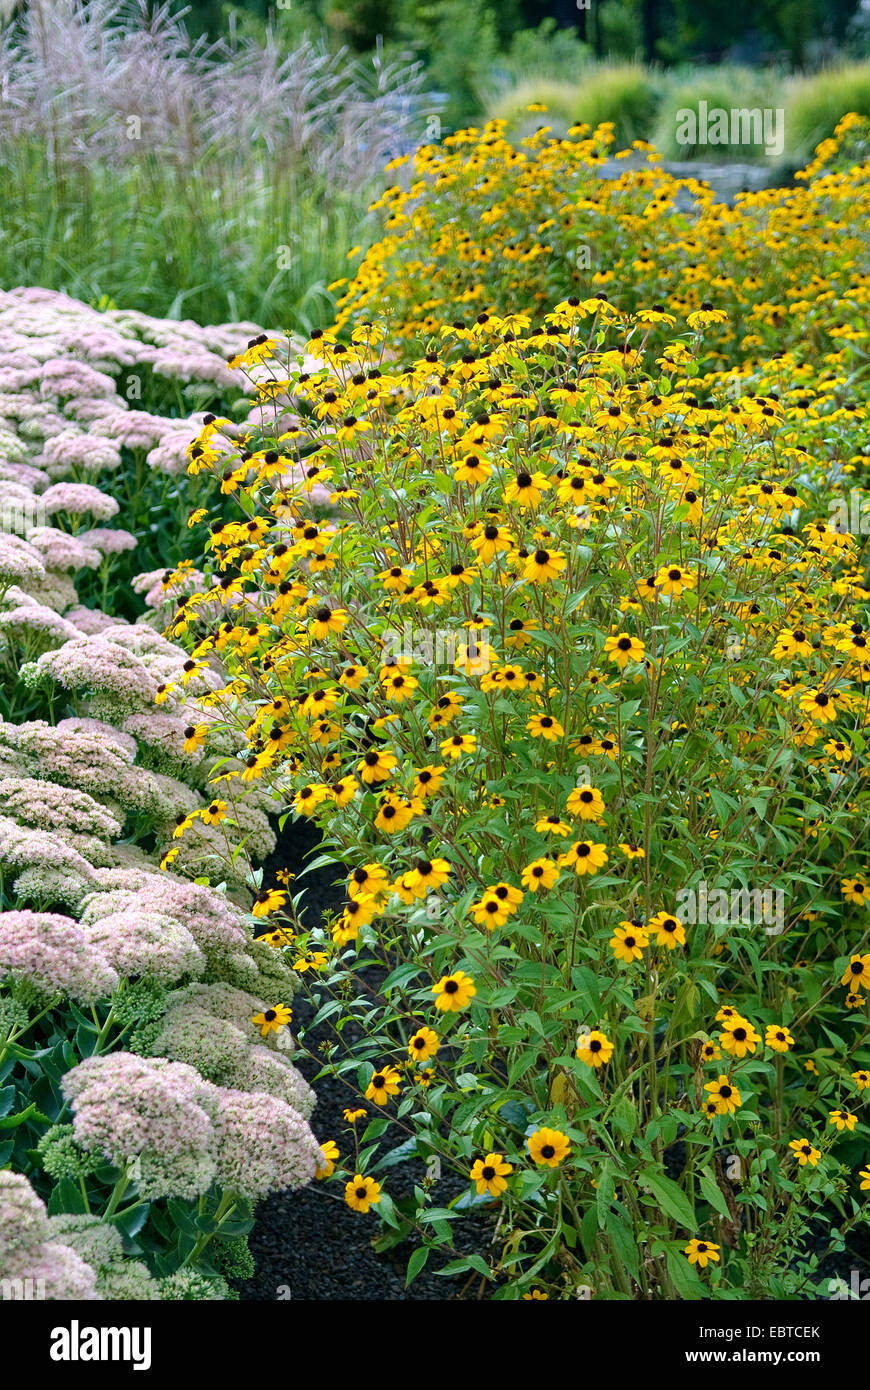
point(712, 1193)
point(670, 1197)
point(416, 1263)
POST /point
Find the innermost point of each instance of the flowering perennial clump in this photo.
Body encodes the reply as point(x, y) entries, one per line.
point(574, 661)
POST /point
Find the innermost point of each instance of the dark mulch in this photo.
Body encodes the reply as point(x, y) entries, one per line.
point(309, 1244)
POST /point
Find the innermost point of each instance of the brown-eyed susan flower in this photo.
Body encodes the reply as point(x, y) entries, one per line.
point(454, 992)
point(710, 1052)
point(856, 890)
point(701, 1252)
point(377, 765)
point(214, 813)
point(669, 930)
point(428, 875)
point(541, 873)
point(594, 1049)
point(384, 1083)
point(278, 938)
point(457, 744)
point(329, 1157)
point(841, 1119)
point(546, 727)
point(543, 566)
point(792, 642)
point(552, 825)
point(857, 972)
point(490, 1174)
point(804, 1152)
point(629, 941)
point(194, 737)
point(490, 911)
point(267, 901)
point(778, 1038)
point(864, 1174)
point(423, 1044)
point(427, 780)
point(548, 1147)
point(839, 750)
point(273, 1020)
point(622, 648)
point(724, 1095)
point(632, 850)
point(818, 705)
point(673, 580)
point(328, 620)
point(861, 1079)
point(586, 803)
point(584, 857)
point(361, 1193)
point(526, 489)
point(309, 797)
point(738, 1037)
point(353, 1115)
point(395, 813)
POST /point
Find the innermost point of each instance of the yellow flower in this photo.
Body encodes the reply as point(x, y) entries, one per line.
point(841, 1119)
point(362, 1193)
point(268, 900)
point(541, 873)
point(724, 1096)
point(384, 1083)
point(701, 1252)
point(669, 930)
point(586, 803)
point(629, 941)
point(273, 1020)
point(857, 973)
point(804, 1152)
point(490, 1174)
point(548, 1147)
point(331, 1155)
point(454, 992)
point(423, 1044)
point(624, 648)
point(584, 857)
point(778, 1038)
point(739, 1037)
point(594, 1049)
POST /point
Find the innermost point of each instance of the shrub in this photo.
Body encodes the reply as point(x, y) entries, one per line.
point(815, 104)
point(621, 94)
point(542, 224)
point(604, 946)
point(722, 87)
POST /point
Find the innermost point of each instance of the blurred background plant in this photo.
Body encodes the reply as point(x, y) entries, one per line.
point(167, 171)
point(215, 161)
